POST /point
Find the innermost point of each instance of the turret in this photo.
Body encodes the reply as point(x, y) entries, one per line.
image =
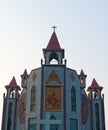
point(12, 89)
point(10, 106)
point(96, 101)
point(24, 77)
point(95, 90)
point(53, 53)
point(82, 78)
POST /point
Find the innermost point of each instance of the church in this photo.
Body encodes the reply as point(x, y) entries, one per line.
point(53, 97)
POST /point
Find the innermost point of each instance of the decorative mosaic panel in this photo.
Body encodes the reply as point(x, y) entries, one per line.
point(53, 77)
point(22, 108)
point(53, 97)
point(84, 108)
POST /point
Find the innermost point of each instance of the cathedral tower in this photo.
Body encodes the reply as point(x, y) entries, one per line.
point(53, 52)
point(10, 104)
point(97, 106)
point(53, 82)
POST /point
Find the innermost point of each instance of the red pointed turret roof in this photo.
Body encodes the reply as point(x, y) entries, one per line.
point(13, 84)
point(25, 73)
point(94, 85)
point(82, 73)
point(53, 43)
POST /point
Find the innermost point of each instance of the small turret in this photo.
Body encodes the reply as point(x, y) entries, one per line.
point(96, 101)
point(10, 106)
point(94, 90)
point(12, 89)
point(82, 78)
point(24, 77)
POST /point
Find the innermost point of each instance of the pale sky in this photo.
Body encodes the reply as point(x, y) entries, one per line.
point(82, 30)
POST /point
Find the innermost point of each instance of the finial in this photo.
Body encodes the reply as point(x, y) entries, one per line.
point(54, 27)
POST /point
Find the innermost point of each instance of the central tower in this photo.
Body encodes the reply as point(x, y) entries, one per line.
point(53, 53)
point(53, 82)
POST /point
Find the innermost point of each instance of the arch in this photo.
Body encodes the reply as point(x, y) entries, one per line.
point(53, 58)
point(12, 93)
point(53, 61)
point(97, 116)
point(73, 99)
point(9, 122)
point(53, 126)
point(33, 99)
point(53, 117)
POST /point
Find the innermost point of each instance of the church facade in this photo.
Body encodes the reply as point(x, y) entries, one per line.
point(53, 97)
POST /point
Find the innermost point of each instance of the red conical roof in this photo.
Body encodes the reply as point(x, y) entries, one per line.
point(82, 73)
point(53, 43)
point(25, 73)
point(94, 85)
point(13, 84)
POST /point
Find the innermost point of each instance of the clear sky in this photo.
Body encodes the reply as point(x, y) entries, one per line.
point(82, 30)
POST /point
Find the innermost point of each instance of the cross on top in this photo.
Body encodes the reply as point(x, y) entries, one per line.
point(54, 27)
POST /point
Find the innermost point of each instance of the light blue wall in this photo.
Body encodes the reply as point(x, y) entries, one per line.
point(65, 76)
point(72, 80)
point(60, 71)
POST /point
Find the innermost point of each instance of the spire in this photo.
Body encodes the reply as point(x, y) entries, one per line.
point(82, 73)
point(25, 73)
point(54, 43)
point(53, 50)
point(13, 84)
point(94, 85)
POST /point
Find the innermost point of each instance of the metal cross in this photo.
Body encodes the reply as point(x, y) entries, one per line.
point(54, 27)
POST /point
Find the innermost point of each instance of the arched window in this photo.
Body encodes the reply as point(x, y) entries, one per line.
point(97, 116)
point(9, 125)
point(33, 99)
point(53, 58)
point(12, 93)
point(73, 99)
point(53, 126)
